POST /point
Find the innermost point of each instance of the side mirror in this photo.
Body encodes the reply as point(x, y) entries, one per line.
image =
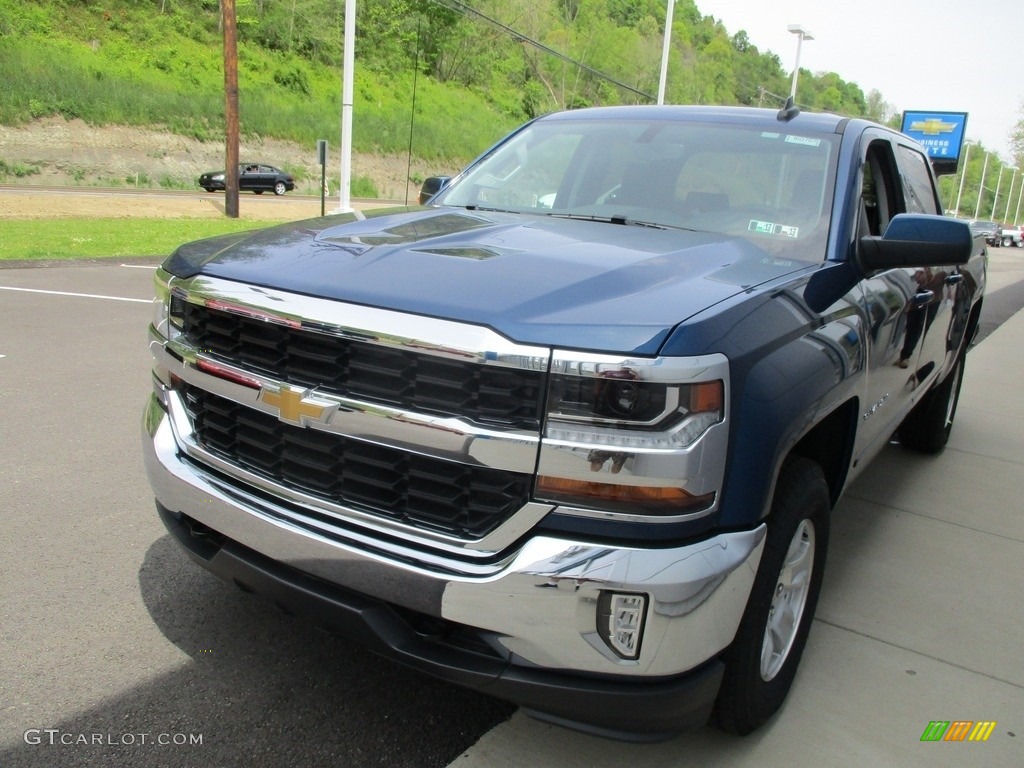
point(917, 240)
point(431, 186)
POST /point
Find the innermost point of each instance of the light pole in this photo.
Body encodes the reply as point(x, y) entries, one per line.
point(1016, 216)
point(664, 50)
point(963, 177)
point(801, 35)
point(1009, 196)
point(347, 79)
point(999, 185)
point(981, 187)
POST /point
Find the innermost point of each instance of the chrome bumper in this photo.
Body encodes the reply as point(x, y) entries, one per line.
point(536, 607)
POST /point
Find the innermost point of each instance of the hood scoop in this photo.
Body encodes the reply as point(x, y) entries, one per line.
point(474, 252)
point(370, 233)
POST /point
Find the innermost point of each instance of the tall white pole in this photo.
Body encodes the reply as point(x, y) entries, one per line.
point(801, 35)
point(963, 177)
point(981, 187)
point(1016, 216)
point(999, 184)
point(348, 64)
point(796, 67)
point(1009, 196)
point(669, 10)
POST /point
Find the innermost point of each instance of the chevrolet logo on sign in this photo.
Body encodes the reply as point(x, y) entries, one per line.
point(933, 126)
point(297, 406)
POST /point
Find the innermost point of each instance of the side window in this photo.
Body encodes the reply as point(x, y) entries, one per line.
point(880, 199)
point(917, 181)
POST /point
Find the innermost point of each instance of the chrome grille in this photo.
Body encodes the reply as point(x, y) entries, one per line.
point(370, 372)
point(458, 499)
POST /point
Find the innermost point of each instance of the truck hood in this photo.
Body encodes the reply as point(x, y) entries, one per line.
point(535, 279)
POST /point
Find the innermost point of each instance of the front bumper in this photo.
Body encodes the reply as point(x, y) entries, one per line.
point(522, 627)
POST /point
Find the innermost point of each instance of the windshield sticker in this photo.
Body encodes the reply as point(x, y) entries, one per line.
point(768, 228)
point(803, 141)
point(767, 135)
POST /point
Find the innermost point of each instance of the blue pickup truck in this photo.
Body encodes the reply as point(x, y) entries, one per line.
point(572, 433)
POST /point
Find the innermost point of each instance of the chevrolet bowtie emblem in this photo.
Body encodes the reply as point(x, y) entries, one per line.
point(933, 126)
point(297, 406)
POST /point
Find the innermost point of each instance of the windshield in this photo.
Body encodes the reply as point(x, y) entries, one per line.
point(774, 188)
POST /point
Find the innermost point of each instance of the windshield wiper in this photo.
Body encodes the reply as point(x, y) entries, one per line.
point(473, 207)
point(623, 220)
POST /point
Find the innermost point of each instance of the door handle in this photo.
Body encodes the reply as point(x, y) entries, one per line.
point(923, 297)
point(954, 279)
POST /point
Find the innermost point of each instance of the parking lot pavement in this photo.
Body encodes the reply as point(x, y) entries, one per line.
point(920, 617)
point(111, 640)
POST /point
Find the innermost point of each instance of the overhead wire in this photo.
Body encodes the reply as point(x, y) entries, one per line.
point(460, 7)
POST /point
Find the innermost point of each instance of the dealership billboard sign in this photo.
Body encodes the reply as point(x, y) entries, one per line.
point(941, 133)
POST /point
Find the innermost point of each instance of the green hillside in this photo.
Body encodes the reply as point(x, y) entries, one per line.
point(473, 70)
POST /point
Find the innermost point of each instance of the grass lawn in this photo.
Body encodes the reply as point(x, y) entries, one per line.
point(87, 238)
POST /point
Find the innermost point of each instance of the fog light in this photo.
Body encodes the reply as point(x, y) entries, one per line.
point(620, 622)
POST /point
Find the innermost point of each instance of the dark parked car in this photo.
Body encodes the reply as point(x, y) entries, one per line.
point(252, 177)
point(431, 186)
point(988, 229)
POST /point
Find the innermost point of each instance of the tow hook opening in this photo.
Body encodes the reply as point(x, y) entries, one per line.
point(198, 539)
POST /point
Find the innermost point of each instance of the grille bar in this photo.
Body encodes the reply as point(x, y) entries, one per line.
point(374, 373)
point(461, 500)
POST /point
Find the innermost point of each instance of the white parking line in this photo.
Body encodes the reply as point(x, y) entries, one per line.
point(138, 266)
point(81, 295)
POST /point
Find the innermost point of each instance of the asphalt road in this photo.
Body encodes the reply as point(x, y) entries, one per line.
point(111, 641)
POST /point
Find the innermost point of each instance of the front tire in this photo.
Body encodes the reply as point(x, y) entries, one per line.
point(761, 662)
point(1007, 242)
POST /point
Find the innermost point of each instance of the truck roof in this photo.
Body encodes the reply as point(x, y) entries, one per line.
point(810, 121)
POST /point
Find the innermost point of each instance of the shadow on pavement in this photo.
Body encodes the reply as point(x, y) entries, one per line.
point(260, 688)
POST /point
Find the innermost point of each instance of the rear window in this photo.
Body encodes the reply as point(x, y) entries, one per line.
point(917, 182)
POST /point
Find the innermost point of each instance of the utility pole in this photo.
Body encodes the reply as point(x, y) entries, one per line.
point(230, 109)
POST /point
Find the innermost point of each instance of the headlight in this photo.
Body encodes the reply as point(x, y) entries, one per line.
point(168, 307)
point(218, 177)
point(616, 408)
point(640, 403)
point(637, 437)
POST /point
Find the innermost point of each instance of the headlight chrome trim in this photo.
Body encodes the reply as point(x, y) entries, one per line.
point(668, 468)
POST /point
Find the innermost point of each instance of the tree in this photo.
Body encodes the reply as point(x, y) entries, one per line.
point(878, 109)
point(1017, 141)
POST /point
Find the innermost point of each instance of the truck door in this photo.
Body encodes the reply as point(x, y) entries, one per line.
point(893, 301)
point(247, 177)
point(937, 286)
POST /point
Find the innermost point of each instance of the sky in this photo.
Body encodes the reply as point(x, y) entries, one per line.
point(943, 55)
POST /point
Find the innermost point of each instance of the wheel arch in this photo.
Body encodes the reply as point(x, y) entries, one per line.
point(814, 413)
point(829, 443)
